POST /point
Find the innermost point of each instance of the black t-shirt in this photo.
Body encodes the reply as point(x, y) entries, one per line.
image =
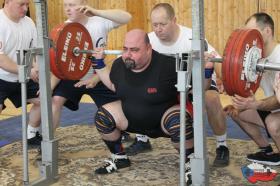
point(146, 95)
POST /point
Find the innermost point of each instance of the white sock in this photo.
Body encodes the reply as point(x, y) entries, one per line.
point(221, 140)
point(31, 131)
point(141, 137)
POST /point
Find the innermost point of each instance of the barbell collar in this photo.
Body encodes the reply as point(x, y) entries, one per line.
point(77, 51)
point(264, 64)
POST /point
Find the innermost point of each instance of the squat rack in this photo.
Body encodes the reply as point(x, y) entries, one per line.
point(49, 164)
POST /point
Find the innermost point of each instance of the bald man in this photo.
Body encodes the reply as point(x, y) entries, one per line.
point(144, 80)
point(170, 37)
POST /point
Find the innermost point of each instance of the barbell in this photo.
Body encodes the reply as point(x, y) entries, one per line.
point(242, 63)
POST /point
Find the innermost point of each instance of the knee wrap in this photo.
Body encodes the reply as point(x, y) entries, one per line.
point(172, 124)
point(104, 121)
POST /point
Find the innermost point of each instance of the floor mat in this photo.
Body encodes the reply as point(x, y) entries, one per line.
point(10, 129)
point(81, 151)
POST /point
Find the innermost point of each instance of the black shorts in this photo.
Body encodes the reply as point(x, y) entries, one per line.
point(12, 91)
point(100, 94)
point(263, 115)
point(152, 133)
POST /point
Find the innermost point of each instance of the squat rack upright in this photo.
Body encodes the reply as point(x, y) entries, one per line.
point(49, 146)
point(195, 68)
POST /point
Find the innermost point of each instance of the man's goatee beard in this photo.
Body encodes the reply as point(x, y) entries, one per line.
point(129, 64)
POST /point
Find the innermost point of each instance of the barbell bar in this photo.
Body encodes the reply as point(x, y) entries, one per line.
point(262, 64)
point(78, 51)
point(242, 63)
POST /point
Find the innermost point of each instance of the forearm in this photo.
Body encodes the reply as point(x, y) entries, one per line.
point(101, 69)
point(104, 75)
point(116, 15)
point(108, 66)
point(268, 104)
point(96, 78)
point(218, 70)
point(7, 64)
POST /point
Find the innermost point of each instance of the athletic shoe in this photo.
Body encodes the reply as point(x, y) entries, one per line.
point(112, 165)
point(264, 158)
point(35, 141)
point(257, 172)
point(188, 173)
point(222, 157)
point(138, 147)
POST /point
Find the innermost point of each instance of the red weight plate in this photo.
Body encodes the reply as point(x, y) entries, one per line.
point(53, 66)
point(66, 38)
point(233, 65)
point(52, 53)
point(235, 62)
point(258, 42)
point(226, 70)
point(226, 61)
point(249, 38)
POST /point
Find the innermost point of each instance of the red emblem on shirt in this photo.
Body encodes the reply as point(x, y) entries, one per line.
point(152, 90)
